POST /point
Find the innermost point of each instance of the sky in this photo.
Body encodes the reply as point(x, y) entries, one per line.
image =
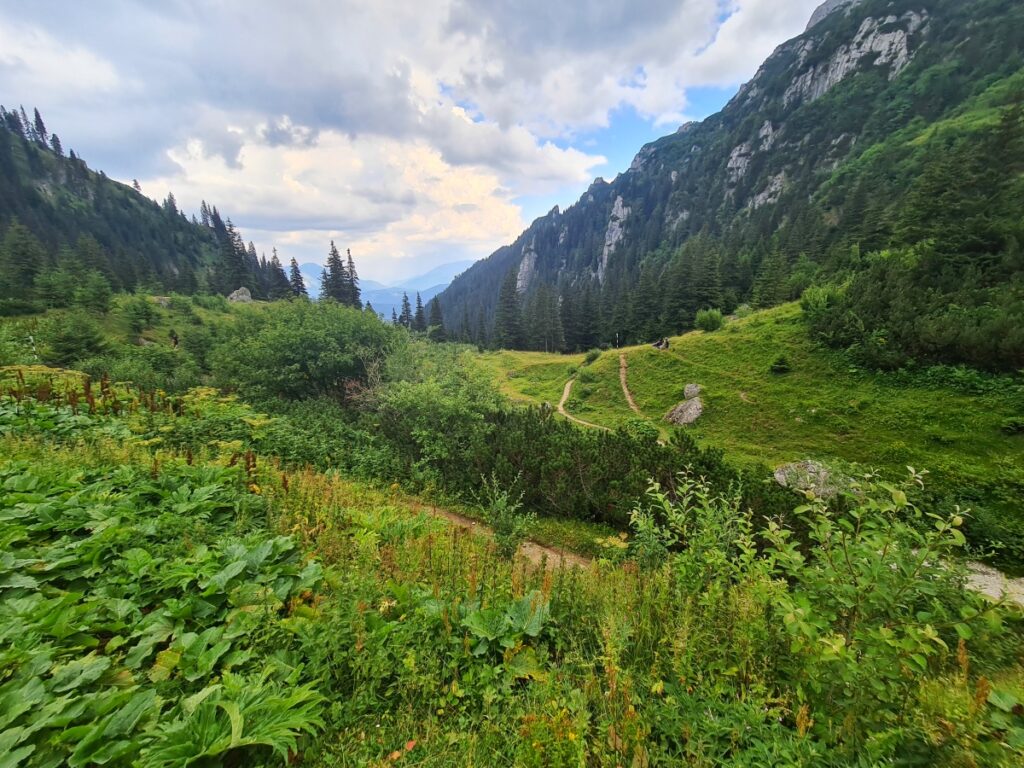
point(414, 133)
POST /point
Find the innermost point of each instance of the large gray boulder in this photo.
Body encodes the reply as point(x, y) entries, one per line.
point(807, 476)
point(686, 412)
point(241, 296)
point(691, 391)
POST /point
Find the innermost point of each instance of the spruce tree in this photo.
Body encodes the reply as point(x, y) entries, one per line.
point(40, 129)
point(278, 285)
point(336, 286)
point(55, 145)
point(405, 317)
point(508, 321)
point(352, 280)
point(419, 320)
point(295, 281)
point(21, 259)
point(435, 321)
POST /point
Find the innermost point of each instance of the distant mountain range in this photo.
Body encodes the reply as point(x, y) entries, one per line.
point(385, 298)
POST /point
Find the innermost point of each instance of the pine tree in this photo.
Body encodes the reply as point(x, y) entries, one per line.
point(55, 145)
point(278, 285)
point(40, 129)
point(405, 317)
point(336, 286)
point(419, 320)
point(295, 281)
point(394, 317)
point(435, 322)
point(508, 321)
point(21, 259)
point(352, 280)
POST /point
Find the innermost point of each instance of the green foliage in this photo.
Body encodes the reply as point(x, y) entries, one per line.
point(139, 313)
point(591, 356)
point(76, 337)
point(709, 320)
point(780, 365)
point(502, 509)
point(141, 613)
point(294, 350)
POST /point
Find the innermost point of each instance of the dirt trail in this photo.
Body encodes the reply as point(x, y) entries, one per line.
point(561, 408)
point(531, 550)
point(623, 373)
point(982, 578)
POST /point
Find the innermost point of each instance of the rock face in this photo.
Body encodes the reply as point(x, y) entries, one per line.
point(526, 269)
point(691, 391)
point(807, 476)
point(686, 412)
point(827, 8)
point(241, 296)
point(888, 48)
point(614, 234)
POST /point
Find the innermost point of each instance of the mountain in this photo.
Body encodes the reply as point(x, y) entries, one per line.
point(886, 124)
point(385, 298)
point(438, 276)
point(64, 222)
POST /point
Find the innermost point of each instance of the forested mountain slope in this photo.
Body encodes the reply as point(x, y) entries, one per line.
point(889, 124)
point(71, 220)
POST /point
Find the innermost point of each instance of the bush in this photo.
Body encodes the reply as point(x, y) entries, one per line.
point(591, 356)
point(501, 508)
point(780, 366)
point(139, 313)
point(77, 337)
point(709, 320)
point(744, 310)
point(295, 350)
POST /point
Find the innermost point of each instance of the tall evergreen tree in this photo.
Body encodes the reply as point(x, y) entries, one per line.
point(295, 281)
point(336, 286)
point(405, 317)
point(351, 280)
point(278, 284)
point(21, 259)
point(419, 320)
point(55, 145)
point(40, 129)
point(435, 322)
point(508, 318)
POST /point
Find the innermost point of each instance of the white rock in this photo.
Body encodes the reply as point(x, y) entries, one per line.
point(686, 412)
point(241, 296)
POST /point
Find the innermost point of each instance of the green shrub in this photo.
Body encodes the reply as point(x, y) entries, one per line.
point(780, 365)
point(709, 320)
point(138, 312)
point(76, 337)
point(591, 356)
point(502, 509)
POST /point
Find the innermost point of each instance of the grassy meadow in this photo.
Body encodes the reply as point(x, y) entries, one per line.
point(939, 420)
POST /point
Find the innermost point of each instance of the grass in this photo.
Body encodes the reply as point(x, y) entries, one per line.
point(529, 377)
point(823, 408)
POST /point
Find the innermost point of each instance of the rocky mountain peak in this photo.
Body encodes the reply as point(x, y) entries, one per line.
point(827, 9)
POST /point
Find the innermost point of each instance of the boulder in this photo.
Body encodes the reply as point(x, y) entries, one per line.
point(241, 296)
point(807, 476)
point(691, 391)
point(686, 412)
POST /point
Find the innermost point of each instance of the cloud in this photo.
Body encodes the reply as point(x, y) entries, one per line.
point(409, 129)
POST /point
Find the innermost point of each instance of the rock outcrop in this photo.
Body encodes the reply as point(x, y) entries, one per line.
point(827, 8)
point(614, 234)
point(877, 39)
point(686, 412)
point(241, 296)
point(807, 476)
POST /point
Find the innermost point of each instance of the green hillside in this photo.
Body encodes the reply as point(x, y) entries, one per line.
point(957, 424)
